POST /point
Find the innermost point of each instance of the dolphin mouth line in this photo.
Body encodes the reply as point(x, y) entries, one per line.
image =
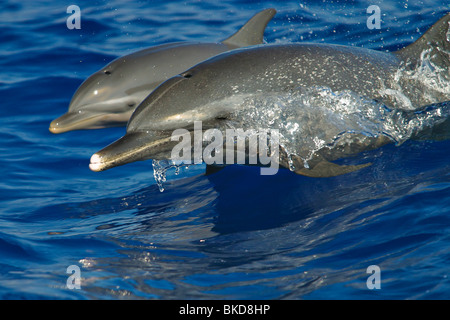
point(81, 124)
point(92, 122)
point(99, 163)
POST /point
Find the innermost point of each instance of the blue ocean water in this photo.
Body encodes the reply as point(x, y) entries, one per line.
point(231, 235)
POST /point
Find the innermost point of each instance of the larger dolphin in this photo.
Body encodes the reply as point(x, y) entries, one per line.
point(211, 91)
point(109, 96)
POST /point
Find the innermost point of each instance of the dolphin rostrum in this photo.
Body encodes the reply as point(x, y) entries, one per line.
point(213, 90)
point(109, 96)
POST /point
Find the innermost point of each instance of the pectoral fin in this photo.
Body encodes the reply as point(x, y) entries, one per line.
point(325, 169)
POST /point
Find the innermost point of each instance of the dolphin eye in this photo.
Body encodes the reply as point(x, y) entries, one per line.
point(131, 104)
point(187, 75)
point(107, 72)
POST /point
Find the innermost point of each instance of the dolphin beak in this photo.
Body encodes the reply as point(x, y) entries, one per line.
point(73, 121)
point(87, 120)
point(132, 147)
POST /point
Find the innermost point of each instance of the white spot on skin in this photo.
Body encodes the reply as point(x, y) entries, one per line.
point(96, 162)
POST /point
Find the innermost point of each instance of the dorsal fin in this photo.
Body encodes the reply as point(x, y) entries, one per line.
point(252, 32)
point(437, 38)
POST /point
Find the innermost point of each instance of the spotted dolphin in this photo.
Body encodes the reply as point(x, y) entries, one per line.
point(109, 96)
point(212, 90)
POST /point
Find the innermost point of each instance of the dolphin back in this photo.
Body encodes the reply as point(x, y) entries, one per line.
point(252, 32)
point(436, 39)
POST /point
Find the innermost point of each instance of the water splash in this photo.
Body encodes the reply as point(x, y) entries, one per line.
point(311, 119)
point(160, 168)
point(426, 81)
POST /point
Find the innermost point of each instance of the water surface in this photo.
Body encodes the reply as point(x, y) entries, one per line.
point(231, 235)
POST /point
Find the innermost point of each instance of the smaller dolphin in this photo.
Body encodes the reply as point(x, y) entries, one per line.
point(109, 96)
point(212, 90)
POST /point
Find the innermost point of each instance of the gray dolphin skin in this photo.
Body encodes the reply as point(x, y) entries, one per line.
point(212, 90)
point(109, 97)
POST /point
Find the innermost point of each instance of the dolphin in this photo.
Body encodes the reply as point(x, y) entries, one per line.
point(109, 96)
point(213, 90)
